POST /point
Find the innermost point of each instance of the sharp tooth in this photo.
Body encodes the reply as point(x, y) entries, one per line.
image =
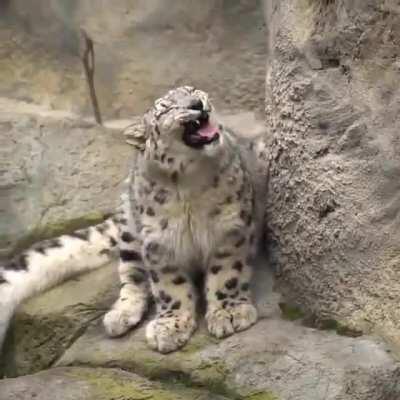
point(197, 122)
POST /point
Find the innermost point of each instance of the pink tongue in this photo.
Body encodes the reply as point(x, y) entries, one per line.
point(208, 131)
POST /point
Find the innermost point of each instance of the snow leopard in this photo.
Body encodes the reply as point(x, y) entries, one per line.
point(191, 204)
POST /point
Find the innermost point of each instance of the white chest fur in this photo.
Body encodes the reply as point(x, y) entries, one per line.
point(196, 226)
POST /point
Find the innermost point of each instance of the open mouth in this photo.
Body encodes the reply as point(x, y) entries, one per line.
point(200, 132)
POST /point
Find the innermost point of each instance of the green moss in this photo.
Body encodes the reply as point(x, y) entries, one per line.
point(261, 396)
point(347, 331)
point(330, 324)
point(58, 228)
point(110, 385)
point(212, 375)
point(291, 312)
point(185, 367)
point(182, 370)
point(25, 353)
point(198, 342)
point(107, 387)
point(343, 330)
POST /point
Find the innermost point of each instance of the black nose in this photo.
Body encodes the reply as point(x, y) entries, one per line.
point(196, 104)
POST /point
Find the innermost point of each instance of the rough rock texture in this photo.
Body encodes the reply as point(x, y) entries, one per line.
point(275, 359)
point(333, 102)
point(95, 384)
point(57, 172)
point(332, 107)
point(57, 168)
point(142, 49)
point(46, 326)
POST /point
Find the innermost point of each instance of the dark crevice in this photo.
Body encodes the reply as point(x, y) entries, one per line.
point(330, 324)
point(321, 152)
point(77, 334)
point(328, 2)
point(327, 209)
point(330, 63)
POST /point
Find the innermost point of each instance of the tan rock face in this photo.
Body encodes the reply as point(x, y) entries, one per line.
point(58, 168)
point(142, 49)
point(58, 172)
point(332, 106)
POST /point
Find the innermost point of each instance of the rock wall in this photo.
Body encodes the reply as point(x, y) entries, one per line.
point(57, 173)
point(332, 105)
point(142, 49)
point(56, 167)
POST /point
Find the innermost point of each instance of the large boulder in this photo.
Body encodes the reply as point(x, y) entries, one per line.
point(278, 358)
point(58, 172)
point(46, 326)
point(95, 384)
point(332, 105)
point(143, 48)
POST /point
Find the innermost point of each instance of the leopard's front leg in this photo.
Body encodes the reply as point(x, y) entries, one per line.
point(132, 301)
point(229, 304)
point(174, 296)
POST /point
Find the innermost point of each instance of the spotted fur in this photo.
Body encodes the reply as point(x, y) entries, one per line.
point(183, 208)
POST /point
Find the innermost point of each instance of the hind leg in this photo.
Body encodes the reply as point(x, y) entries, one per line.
point(132, 302)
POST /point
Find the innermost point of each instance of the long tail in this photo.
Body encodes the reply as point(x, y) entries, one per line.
point(50, 262)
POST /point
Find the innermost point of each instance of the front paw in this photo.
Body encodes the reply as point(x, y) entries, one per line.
point(223, 322)
point(167, 334)
point(123, 316)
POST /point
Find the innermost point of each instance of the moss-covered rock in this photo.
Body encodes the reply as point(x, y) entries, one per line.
point(290, 312)
point(25, 353)
point(261, 396)
point(273, 359)
point(57, 228)
point(131, 353)
point(333, 175)
point(48, 324)
point(96, 384)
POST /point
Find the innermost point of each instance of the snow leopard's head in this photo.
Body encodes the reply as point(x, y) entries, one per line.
point(182, 121)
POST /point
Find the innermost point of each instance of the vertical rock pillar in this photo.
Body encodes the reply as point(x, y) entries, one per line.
point(332, 107)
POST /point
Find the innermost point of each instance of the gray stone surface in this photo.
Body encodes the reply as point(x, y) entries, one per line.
point(45, 326)
point(275, 359)
point(142, 49)
point(332, 106)
point(56, 167)
point(275, 356)
point(95, 384)
point(57, 171)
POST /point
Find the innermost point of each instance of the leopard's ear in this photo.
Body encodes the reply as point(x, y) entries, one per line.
point(136, 134)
